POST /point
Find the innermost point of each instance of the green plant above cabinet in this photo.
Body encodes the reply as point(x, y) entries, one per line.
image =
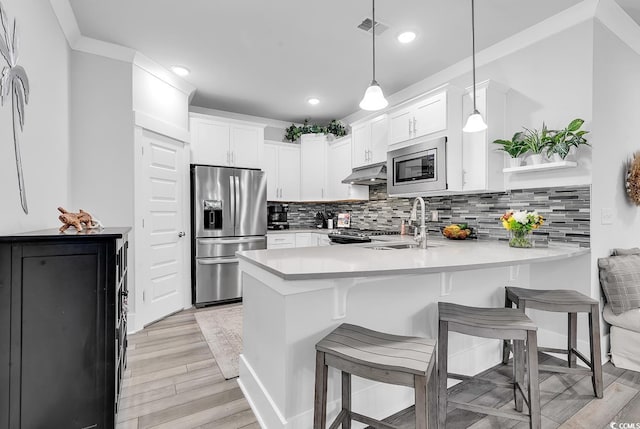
point(335, 127)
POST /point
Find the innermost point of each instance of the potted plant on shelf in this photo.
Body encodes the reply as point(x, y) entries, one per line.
point(515, 148)
point(561, 141)
point(536, 142)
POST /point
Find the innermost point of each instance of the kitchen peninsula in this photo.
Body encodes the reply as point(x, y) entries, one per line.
point(294, 297)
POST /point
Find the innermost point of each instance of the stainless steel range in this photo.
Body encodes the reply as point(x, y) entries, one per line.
point(352, 235)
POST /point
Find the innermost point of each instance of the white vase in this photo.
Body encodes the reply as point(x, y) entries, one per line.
point(536, 158)
point(515, 162)
point(555, 157)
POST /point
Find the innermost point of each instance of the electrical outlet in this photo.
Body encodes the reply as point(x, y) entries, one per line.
point(434, 216)
point(606, 216)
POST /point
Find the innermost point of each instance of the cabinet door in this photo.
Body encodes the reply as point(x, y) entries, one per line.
point(430, 115)
point(60, 317)
point(322, 239)
point(270, 167)
point(379, 139)
point(246, 146)
point(289, 172)
point(400, 126)
point(281, 241)
point(339, 167)
point(313, 160)
point(209, 143)
point(339, 156)
point(361, 137)
point(305, 239)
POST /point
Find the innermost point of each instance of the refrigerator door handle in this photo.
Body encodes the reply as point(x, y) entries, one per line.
point(238, 201)
point(232, 195)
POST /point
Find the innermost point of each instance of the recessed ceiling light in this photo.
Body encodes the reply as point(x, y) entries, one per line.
point(313, 101)
point(180, 70)
point(406, 37)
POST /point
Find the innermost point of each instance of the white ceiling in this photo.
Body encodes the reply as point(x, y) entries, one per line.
point(265, 58)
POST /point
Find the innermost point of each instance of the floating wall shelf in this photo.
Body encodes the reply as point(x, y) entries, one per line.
point(543, 166)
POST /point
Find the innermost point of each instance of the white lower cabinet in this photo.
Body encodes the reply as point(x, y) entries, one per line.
point(281, 163)
point(305, 239)
point(296, 239)
point(281, 241)
point(322, 239)
point(339, 167)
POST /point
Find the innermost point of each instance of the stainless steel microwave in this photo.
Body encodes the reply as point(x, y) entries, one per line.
point(417, 168)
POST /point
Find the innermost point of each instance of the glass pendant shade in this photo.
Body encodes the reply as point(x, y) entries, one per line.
point(475, 123)
point(373, 98)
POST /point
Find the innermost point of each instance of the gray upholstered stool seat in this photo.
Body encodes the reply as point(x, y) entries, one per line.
point(501, 324)
point(570, 302)
point(394, 359)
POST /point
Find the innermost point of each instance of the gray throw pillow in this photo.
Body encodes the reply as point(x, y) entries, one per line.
point(620, 281)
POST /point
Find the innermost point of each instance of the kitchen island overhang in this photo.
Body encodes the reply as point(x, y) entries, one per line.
point(293, 297)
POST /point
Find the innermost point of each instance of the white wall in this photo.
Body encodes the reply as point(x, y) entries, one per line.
point(44, 53)
point(102, 138)
point(616, 110)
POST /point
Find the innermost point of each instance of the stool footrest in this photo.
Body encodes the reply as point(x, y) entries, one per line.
point(491, 411)
point(486, 380)
point(553, 350)
point(577, 371)
point(377, 424)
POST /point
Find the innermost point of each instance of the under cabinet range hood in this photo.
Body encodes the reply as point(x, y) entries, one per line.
point(369, 175)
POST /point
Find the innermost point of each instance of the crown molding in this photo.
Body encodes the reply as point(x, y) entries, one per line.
point(555, 24)
point(612, 16)
point(276, 123)
point(150, 66)
point(69, 25)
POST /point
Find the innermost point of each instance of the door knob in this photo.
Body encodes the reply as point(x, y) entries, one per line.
point(181, 234)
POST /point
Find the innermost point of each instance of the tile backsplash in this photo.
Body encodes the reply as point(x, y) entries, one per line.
point(566, 211)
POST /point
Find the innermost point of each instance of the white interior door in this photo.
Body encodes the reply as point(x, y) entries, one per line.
point(163, 226)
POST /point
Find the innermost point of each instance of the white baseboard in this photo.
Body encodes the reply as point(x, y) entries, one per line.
point(260, 401)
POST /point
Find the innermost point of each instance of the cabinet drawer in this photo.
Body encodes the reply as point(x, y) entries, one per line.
point(280, 241)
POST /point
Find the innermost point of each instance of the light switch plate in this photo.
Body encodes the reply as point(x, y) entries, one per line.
point(434, 215)
point(606, 216)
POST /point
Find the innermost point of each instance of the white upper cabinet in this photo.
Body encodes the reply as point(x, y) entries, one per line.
point(370, 140)
point(421, 118)
point(338, 168)
point(482, 163)
point(281, 163)
point(313, 167)
point(226, 142)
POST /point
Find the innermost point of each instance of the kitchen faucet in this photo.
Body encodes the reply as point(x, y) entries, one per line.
point(422, 239)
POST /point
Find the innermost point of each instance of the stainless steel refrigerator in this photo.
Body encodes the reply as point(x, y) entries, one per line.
point(228, 214)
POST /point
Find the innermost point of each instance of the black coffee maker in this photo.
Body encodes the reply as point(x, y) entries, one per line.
point(277, 216)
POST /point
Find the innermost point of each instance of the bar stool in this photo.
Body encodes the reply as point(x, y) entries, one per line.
point(501, 324)
point(393, 359)
point(563, 301)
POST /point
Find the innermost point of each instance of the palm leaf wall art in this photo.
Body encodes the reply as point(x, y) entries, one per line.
point(15, 84)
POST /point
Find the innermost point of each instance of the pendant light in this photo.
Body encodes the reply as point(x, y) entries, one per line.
point(475, 122)
point(373, 97)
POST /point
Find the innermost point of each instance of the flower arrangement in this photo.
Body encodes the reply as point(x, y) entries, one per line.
point(520, 224)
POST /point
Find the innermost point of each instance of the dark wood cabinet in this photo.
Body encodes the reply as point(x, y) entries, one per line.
point(63, 328)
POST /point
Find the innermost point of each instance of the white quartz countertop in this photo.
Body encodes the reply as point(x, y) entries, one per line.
point(361, 260)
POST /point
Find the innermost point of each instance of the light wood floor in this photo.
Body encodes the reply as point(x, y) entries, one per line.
point(172, 381)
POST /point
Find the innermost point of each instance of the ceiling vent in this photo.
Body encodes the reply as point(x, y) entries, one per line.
point(366, 25)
